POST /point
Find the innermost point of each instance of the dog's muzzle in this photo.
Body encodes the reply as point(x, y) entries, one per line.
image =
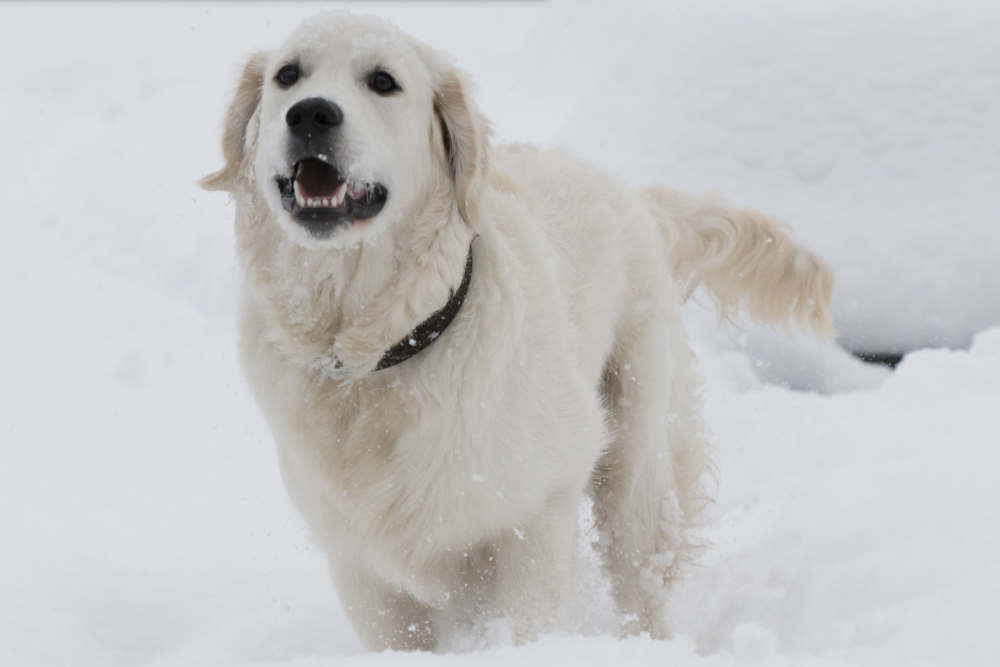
point(316, 194)
point(321, 199)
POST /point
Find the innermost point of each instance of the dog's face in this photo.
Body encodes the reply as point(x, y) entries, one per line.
point(347, 128)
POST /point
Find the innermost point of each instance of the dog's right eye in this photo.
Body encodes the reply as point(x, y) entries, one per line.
point(287, 75)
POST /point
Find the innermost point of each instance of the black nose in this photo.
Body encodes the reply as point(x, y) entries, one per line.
point(313, 117)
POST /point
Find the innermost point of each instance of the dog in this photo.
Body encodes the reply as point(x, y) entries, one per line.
point(455, 343)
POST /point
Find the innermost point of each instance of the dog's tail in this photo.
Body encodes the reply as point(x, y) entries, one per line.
point(743, 258)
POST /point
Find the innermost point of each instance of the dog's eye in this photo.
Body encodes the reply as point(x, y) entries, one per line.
point(287, 75)
point(382, 82)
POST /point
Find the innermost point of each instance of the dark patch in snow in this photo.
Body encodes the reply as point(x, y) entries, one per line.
point(890, 359)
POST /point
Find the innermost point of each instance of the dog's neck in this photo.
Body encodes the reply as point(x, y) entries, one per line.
point(427, 331)
point(360, 300)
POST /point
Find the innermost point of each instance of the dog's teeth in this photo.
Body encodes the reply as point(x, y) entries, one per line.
point(356, 190)
point(333, 201)
point(338, 194)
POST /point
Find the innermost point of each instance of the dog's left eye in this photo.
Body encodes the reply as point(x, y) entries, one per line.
point(382, 82)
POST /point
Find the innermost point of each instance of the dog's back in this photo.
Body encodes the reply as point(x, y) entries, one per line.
point(598, 228)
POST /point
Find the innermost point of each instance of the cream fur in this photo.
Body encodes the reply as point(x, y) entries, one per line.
point(447, 487)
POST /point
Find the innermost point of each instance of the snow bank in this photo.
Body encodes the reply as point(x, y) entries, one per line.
point(145, 522)
point(857, 526)
point(870, 127)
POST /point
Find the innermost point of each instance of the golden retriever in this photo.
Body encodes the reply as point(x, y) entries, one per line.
point(454, 342)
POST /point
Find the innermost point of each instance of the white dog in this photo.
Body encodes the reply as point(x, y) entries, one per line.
point(454, 342)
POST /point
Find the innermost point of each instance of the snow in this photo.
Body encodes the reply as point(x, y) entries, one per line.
point(857, 525)
point(871, 126)
point(145, 521)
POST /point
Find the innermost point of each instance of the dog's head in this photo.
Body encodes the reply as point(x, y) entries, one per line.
point(348, 127)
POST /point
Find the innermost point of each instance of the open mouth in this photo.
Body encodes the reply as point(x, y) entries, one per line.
point(321, 199)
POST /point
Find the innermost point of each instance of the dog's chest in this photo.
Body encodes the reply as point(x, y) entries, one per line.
point(392, 472)
point(409, 467)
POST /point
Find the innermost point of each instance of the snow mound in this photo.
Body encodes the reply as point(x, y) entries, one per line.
point(870, 127)
point(851, 526)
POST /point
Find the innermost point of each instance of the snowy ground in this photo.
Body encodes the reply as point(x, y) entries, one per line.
point(144, 521)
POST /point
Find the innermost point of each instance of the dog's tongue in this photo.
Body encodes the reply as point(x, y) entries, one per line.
point(316, 178)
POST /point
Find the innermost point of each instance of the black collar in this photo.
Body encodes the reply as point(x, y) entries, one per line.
point(427, 331)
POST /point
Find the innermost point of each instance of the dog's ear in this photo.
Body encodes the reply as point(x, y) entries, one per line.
point(234, 135)
point(465, 134)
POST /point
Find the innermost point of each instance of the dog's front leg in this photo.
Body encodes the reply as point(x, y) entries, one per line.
point(383, 616)
point(534, 569)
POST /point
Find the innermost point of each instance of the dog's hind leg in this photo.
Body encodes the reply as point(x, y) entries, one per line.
point(647, 488)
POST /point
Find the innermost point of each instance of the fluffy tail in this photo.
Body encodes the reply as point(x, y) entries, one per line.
point(743, 258)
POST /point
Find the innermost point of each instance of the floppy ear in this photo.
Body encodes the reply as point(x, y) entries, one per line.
point(466, 136)
point(241, 110)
